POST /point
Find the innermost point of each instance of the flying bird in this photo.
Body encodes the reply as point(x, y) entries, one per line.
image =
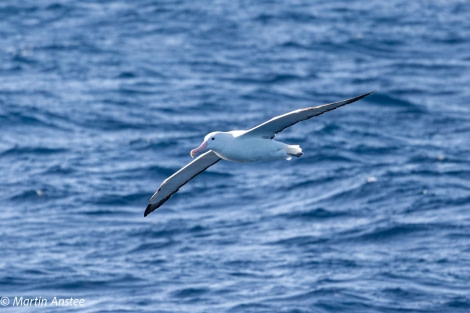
point(255, 144)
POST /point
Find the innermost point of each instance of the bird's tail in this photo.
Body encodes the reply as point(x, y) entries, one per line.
point(293, 150)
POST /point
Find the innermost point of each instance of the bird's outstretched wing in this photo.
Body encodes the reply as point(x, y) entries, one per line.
point(173, 183)
point(270, 128)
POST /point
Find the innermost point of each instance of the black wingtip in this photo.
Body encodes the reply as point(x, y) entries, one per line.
point(364, 95)
point(351, 100)
point(150, 208)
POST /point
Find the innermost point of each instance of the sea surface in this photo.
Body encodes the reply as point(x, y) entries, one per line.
point(100, 101)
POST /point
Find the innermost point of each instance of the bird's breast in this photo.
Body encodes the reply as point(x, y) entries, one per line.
point(251, 150)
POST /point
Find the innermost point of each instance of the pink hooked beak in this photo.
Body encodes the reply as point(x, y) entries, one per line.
point(198, 149)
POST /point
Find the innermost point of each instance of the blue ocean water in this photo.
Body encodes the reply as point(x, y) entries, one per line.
point(102, 100)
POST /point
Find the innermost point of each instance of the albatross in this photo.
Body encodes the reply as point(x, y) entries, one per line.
point(255, 144)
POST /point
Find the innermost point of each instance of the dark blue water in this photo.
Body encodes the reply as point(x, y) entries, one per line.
point(102, 100)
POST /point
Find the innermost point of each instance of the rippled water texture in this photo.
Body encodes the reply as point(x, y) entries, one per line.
point(102, 100)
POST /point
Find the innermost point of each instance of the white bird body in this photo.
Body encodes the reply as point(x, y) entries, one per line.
point(232, 146)
point(255, 144)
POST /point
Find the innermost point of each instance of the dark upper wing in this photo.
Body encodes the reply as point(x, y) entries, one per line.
point(277, 124)
point(173, 183)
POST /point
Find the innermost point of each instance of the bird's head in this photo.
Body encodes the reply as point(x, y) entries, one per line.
point(212, 141)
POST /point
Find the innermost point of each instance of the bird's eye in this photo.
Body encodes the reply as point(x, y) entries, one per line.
point(213, 138)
